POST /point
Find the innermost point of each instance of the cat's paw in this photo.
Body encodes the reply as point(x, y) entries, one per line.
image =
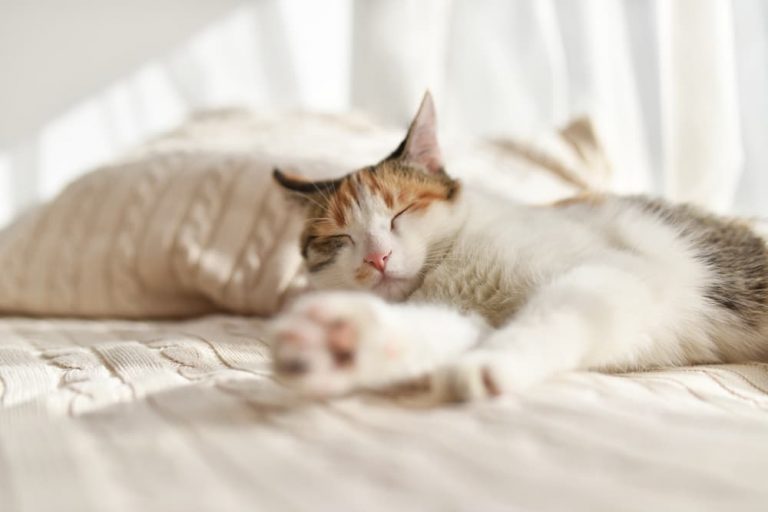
point(321, 344)
point(479, 375)
point(471, 377)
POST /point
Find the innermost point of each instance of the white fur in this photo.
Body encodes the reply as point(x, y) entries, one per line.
point(602, 286)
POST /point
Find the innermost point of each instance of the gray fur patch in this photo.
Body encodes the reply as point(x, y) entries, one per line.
point(736, 255)
point(321, 252)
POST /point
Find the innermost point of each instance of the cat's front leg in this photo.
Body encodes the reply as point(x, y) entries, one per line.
point(595, 316)
point(329, 343)
point(503, 364)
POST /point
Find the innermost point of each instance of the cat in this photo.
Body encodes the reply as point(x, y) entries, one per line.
point(418, 275)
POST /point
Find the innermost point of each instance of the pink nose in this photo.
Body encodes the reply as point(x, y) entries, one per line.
point(378, 260)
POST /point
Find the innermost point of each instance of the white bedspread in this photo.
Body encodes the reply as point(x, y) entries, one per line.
point(137, 416)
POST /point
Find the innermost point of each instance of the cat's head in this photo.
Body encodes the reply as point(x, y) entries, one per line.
point(378, 227)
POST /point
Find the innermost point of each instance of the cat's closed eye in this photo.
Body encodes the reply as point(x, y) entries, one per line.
point(327, 246)
point(337, 241)
point(322, 251)
point(398, 214)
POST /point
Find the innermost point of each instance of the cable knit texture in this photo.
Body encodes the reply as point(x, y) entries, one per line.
point(126, 416)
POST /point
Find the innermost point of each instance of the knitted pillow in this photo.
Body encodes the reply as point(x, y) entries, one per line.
point(191, 223)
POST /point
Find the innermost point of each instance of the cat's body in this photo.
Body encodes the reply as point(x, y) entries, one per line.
point(702, 310)
point(488, 296)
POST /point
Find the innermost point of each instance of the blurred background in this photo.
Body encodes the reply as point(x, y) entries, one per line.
point(678, 89)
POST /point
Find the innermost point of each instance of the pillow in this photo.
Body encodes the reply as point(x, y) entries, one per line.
point(191, 222)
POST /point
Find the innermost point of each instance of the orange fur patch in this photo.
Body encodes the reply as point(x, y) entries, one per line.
point(363, 272)
point(397, 184)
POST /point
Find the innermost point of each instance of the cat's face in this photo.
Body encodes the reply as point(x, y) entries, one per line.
point(377, 228)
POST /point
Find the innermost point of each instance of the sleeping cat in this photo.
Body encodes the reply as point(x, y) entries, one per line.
point(484, 296)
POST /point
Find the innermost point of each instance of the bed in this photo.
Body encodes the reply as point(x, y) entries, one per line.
point(145, 413)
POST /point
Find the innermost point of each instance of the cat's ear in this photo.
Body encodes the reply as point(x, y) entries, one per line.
point(303, 190)
point(420, 145)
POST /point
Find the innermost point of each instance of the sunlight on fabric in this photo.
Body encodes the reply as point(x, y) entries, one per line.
point(690, 128)
point(214, 68)
point(702, 121)
point(149, 102)
point(612, 77)
point(217, 66)
point(75, 141)
point(6, 202)
point(241, 59)
point(105, 126)
point(319, 35)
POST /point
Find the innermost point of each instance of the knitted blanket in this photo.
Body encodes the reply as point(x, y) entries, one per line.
point(162, 416)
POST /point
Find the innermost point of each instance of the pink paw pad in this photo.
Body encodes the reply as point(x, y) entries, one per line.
point(297, 348)
point(342, 342)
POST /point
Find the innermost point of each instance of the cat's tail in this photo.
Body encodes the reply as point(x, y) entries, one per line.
point(574, 155)
point(585, 142)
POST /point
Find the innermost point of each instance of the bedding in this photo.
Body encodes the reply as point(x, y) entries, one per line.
point(152, 414)
point(161, 416)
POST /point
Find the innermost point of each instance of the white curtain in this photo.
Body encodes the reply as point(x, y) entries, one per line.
point(677, 88)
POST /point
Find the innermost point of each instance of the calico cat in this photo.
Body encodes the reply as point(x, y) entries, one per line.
point(426, 277)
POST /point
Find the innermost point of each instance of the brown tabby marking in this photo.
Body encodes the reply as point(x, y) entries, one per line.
point(736, 255)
